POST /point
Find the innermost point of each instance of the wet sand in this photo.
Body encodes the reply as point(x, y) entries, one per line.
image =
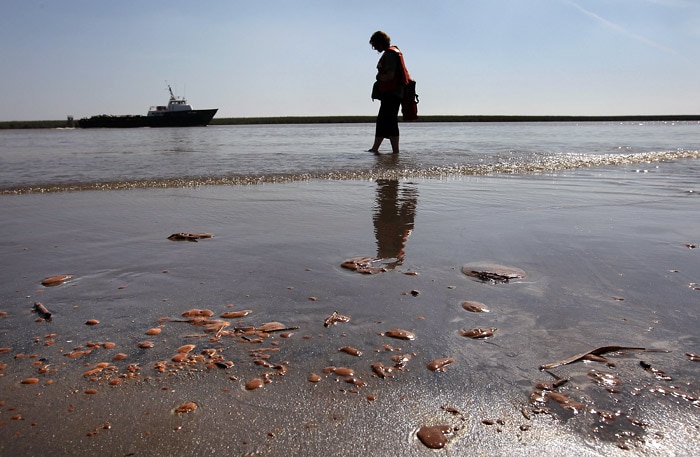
point(608, 259)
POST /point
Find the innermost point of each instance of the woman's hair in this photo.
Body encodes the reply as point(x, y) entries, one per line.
point(380, 38)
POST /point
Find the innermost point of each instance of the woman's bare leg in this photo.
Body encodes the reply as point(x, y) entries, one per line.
point(377, 142)
point(394, 144)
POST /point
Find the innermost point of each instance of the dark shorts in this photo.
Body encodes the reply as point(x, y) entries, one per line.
point(388, 117)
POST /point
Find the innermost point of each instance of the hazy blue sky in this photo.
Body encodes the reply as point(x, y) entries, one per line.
point(296, 58)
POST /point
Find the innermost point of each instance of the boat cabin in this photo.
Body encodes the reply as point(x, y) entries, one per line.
point(174, 104)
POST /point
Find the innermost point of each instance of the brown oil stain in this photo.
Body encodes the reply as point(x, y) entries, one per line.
point(605, 416)
point(566, 402)
point(235, 314)
point(57, 280)
point(255, 383)
point(551, 385)
point(400, 360)
point(355, 381)
point(196, 312)
point(478, 333)
point(344, 371)
point(493, 273)
point(382, 371)
point(400, 334)
point(351, 350)
point(180, 357)
point(365, 265)
point(185, 349)
point(692, 357)
point(272, 327)
point(608, 381)
point(187, 236)
point(435, 436)
point(96, 370)
point(474, 307)
point(335, 318)
point(186, 407)
point(659, 374)
point(676, 392)
point(440, 364)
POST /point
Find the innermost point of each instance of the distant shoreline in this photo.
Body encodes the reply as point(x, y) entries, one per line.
point(52, 124)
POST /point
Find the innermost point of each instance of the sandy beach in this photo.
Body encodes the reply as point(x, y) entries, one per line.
point(609, 260)
point(216, 241)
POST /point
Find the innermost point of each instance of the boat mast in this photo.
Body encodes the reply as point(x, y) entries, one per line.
point(172, 96)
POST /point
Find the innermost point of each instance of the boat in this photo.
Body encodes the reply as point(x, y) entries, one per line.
point(178, 113)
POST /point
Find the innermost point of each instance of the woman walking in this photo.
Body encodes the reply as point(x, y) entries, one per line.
point(391, 79)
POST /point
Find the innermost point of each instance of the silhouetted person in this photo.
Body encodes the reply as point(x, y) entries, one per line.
point(391, 79)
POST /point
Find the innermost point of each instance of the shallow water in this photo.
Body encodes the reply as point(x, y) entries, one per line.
point(608, 261)
point(55, 160)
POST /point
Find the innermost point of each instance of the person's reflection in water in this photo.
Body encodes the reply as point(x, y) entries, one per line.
point(394, 214)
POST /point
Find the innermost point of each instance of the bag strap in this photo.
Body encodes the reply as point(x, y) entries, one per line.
point(406, 75)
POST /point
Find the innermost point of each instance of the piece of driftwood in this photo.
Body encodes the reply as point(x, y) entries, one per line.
point(597, 351)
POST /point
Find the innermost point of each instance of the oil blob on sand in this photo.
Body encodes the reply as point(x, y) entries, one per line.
point(492, 272)
point(440, 364)
point(400, 334)
point(474, 307)
point(477, 333)
point(434, 437)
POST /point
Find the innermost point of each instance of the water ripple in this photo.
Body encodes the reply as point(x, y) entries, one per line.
point(530, 164)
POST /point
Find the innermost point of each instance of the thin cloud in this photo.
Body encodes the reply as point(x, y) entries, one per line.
point(618, 28)
point(672, 3)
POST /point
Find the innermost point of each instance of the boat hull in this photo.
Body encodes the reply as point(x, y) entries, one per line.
point(193, 118)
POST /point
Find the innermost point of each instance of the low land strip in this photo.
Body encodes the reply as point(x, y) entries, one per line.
point(52, 124)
